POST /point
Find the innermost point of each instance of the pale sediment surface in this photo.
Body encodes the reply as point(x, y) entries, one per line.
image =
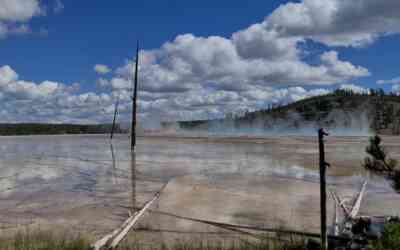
point(85, 184)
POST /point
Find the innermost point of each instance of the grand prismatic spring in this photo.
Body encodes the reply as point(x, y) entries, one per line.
point(87, 184)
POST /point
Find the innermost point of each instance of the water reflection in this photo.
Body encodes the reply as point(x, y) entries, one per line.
point(38, 174)
point(68, 163)
point(114, 165)
point(133, 180)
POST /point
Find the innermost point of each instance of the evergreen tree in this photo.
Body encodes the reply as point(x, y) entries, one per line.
point(380, 162)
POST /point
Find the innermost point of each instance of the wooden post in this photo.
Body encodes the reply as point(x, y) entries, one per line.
point(134, 101)
point(322, 169)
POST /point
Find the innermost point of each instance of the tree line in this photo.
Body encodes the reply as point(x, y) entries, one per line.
point(55, 129)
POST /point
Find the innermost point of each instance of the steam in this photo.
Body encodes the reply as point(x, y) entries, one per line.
point(337, 123)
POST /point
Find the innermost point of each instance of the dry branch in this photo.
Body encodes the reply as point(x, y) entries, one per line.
point(357, 204)
point(253, 228)
point(340, 203)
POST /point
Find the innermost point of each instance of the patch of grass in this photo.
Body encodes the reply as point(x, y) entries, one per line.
point(41, 240)
point(240, 245)
point(390, 239)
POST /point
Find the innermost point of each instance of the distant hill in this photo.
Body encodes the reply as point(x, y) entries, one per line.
point(342, 111)
point(54, 129)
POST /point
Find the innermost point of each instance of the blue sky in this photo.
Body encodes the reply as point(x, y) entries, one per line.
point(305, 48)
point(84, 34)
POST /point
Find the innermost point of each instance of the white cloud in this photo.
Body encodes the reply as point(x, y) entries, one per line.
point(341, 69)
point(11, 86)
point(48, 101)
point(19, 10)
point(7, 75)
point(354, 88)
point(391, 81)
point(15, 15)
point(282, 95)
point(191, 62)
point(259, 42)
point(101, 69)
point(337, 22)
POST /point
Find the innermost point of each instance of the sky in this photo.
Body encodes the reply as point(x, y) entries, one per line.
point(69, 61)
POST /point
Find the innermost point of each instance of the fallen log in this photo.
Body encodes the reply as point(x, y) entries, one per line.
point(111, 241)
point(135, 218)
point(103, 241)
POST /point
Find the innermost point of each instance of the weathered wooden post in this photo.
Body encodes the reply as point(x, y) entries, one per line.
point(322, 169)
point(134, 101)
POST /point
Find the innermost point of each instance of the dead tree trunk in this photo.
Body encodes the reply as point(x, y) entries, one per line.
point(134, 100)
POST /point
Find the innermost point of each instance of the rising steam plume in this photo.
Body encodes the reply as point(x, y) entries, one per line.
point(337, 122)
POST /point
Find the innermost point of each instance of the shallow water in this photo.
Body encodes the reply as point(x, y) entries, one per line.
point(85, 183)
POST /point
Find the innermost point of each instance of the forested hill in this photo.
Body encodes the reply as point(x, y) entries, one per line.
point(340, 110)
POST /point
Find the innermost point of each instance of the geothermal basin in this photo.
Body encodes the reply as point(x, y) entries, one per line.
point(86, 184)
